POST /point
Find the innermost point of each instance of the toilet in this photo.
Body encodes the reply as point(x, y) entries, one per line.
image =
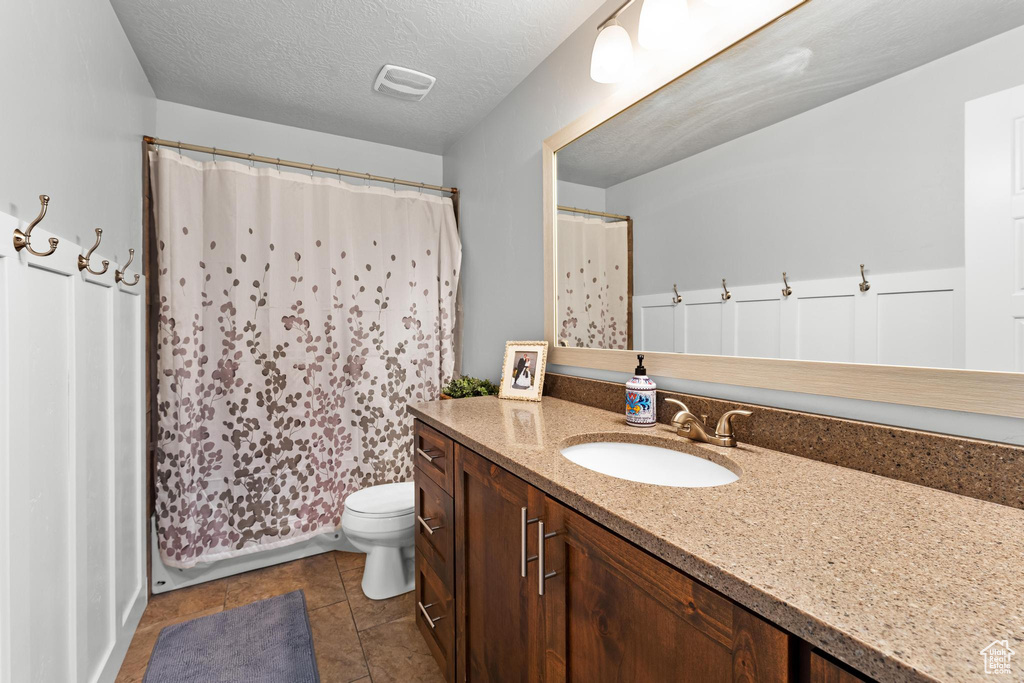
point(379, 521)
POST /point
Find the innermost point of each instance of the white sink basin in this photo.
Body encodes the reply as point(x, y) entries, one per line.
point(649, 464)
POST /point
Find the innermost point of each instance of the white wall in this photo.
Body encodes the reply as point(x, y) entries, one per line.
point(875, 177)
point(75, 106)
point(498, 168)
point(581, 196)
point(213, 129)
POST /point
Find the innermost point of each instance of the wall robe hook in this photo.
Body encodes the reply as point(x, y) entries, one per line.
point(23, 240)
point(864, 285)
point(677, 299)
point(119, 274)
point(786, 289)
point(83, 260)
point(727, 295)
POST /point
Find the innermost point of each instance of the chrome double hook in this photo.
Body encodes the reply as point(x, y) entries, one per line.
point(678, 298)
point(786, 289)
point(23, 240)
point(83, 260)
point(119, 274)
point(727, 295)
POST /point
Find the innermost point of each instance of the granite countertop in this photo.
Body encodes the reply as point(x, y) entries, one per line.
point(901, 582)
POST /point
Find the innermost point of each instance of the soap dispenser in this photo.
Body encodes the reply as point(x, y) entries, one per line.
point(640, 397)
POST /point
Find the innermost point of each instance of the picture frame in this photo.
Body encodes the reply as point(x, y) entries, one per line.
point(522, 370)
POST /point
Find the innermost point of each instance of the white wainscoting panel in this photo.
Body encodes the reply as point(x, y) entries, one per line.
point(72, 568)
point(758, 328)
point(702, 325)
point(912, 318)
point(825, 328)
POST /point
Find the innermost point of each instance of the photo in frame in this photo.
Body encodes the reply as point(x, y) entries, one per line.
point(522, 372)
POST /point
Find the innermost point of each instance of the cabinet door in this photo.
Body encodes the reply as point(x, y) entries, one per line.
point(824, 671)
point(498, 638)
point(614, 613)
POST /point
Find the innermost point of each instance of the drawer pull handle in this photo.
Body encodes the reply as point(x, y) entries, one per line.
point(426, 455)
point(541, 575)
point(430, 620)
point(424, 520)
point(523, 559)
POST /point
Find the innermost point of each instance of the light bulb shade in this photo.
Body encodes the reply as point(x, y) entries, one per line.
point(662, 22)
point(612, 59)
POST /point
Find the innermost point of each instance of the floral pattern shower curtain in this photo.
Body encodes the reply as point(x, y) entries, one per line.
point(297, 318)
point(593, 282)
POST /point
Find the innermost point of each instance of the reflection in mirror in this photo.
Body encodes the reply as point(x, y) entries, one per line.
point(595, 279)
point(888, 134)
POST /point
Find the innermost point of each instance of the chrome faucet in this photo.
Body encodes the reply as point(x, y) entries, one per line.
point(687, 424)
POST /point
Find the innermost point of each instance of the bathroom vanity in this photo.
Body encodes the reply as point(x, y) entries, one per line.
point(530, 567)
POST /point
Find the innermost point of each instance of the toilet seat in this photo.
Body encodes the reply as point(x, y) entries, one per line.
point(382, 501)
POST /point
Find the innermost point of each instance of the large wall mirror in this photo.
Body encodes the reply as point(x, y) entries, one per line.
point(836, 200)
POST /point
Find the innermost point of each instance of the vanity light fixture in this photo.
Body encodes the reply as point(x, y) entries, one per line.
point(661, 23)
point(612, 59)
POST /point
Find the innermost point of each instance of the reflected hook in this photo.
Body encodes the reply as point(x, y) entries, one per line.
point(864, 285)
point(83, 261)
point(728, 294)
point(23, 240)
point(786, 289)
point(677, 299)
point(119, 274)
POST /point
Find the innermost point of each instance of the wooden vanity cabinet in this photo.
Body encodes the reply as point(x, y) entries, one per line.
point(612, 612)
point(497, 634)
point(609, 610)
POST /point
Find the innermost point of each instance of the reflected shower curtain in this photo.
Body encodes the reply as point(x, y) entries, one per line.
point(593, 282)
point(297, 318)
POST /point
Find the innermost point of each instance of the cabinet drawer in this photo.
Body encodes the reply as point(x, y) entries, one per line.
point(435, 518)
point(435, 616)
point(433, 454)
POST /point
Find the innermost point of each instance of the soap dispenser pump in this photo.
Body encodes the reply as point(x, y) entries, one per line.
point(640, 397)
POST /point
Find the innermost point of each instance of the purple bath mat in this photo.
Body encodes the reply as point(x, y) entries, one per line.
point(264, 642)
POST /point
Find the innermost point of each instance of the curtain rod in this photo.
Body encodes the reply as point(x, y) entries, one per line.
point(215, 151)
point(573, 209)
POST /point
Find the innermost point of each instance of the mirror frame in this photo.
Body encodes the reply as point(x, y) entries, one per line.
point(974, 391)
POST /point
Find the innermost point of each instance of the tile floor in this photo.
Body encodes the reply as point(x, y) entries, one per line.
point(355, 638)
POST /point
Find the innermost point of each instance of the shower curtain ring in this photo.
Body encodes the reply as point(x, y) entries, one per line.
point(278, 164)
point(251, 164)
point(214, 155)
point(311, 170)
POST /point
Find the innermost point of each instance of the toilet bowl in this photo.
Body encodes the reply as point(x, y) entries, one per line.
point(379, 521)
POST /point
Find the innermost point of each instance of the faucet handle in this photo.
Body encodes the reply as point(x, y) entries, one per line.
point(682, 406)
point(724, 427)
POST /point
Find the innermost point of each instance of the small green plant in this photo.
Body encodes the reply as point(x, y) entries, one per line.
point(463, 387)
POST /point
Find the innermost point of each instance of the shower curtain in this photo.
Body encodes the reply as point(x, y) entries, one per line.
point(297, 317)
point(593, 282)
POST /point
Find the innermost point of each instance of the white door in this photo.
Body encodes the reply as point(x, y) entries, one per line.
point(994, 231)
point(72, 539)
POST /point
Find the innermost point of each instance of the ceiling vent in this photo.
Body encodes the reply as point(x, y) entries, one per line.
point(405, 84)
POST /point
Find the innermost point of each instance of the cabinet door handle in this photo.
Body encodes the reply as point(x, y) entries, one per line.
point(541, 575)
point(426, 455)
point(430, 620)
point(424, 520)
point(523, 559)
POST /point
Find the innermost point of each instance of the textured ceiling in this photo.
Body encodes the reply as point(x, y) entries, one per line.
point(822, 51)
point(312, 63)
